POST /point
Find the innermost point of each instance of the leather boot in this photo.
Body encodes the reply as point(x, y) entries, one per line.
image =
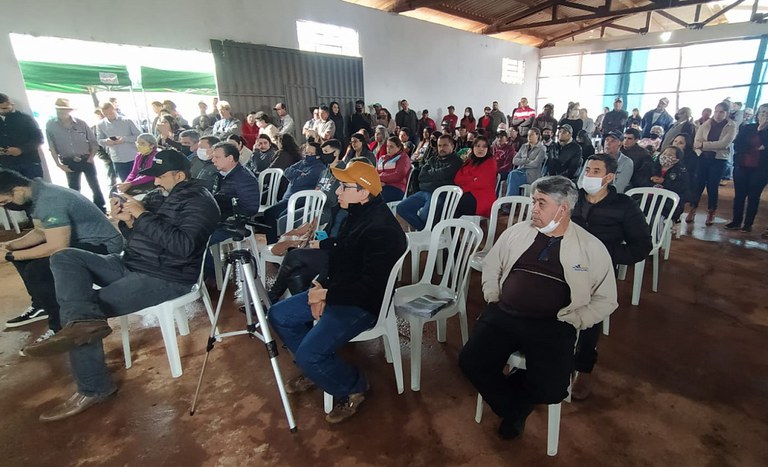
point(710, 217)
point(691, 216)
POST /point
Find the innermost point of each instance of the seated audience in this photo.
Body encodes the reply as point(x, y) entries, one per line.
point(612, 147)
point(585, 141)
point(669, 172)
point(642, 162)
point(358, 147)
point(227, 124)
point(266, 127)
point(573, 118)
point(379, 144)
point(477, 180)
point(566, 157)
point(528, 161)
point(652, 143)
point(543, 280)
point(393, 169)
point(168, 132)
point(165, 236)
point(245, 153)
point(263, 155)
point(250, 131)
point(189, 139)
point(201, 167)
point(504, 152)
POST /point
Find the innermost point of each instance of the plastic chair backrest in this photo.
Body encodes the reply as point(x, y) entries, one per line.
point(451, 195)
point(270, 178)
point(389, 291)
point(408, 181)
point(652, 202)
point(314, 201)
point(526, 212)
point(464, 238)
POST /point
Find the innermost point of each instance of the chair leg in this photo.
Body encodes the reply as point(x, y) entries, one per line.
point(165, 316)
point(327, 402)
point(182, 321)
point(553, 429)
point(638, 282)
point(393, 341)
point(387, 351)
point(464, 327)
point(479, 410)
point(622, 272)
point(667, 244)
point(126, 341)
point(442, 324)
point(417, 331)
point(606, 325)
point(655, 287)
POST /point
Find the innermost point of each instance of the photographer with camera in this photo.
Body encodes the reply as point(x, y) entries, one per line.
point(165, 236)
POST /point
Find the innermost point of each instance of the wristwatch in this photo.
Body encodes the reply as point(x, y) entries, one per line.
point(9, 257)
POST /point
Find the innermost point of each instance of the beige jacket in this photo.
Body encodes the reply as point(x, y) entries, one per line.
point(721, 146)
point(586, 264)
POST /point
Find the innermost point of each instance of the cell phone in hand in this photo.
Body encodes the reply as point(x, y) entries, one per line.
point(113, 138)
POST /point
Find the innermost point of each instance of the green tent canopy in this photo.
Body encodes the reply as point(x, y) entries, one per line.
point(68, 78)
point(157, 80)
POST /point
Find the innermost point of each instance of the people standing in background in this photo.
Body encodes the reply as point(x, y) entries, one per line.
point(682, 125)
point(227, 124)
point(170, 107)
point(360, 120)
point(214, 116)
point(706, 114)
point(426, 122)
point(102, 153)
point(658, 116)
point(203, 121)
point(635, 120)
point(118, 135)
point(157, 107)
point(338, 122)
point(406, 117)
point(616, 119)
point(522, 117)
point(589, 124)
point(497, 118)
point(468, 120)
point(73, 147)
point(20, 140)
point(599, 123)
point(573, 118)
point(308, 128)
point(452, 119)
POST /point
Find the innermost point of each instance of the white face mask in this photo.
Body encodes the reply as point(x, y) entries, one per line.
point(592, 184)
point(202, 154)
point(551, 227)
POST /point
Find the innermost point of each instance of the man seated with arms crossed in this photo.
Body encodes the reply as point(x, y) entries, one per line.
point(165, 239)
point(347, 300)
point(62, 218)
point(543, 280)
point(617, 221)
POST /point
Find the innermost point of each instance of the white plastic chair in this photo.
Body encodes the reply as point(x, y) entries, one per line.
point(314, 202)
point(525, 188)
point(463, 239)
point(217, 249)
point(386, 328)
point(270, 178)
point(167, 313)
point(9, 220)
point(524, 213)
point(652, 202)
point(420, 241)
point(517, 360)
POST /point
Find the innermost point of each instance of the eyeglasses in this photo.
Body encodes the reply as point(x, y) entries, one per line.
point(348, 187)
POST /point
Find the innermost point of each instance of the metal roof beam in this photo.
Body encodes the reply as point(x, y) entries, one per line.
point(401, 6)
point(601, 24)
point(508, 20)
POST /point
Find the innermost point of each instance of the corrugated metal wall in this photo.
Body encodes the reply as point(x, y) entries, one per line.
point(255, 77)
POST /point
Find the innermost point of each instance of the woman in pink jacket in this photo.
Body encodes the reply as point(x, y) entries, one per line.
point(394, 167)
point(477, 179)
point(146, 145)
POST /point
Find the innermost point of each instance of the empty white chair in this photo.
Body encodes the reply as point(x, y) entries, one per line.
point(420, 241)
point(517, 204)
point(167, 313)
point(270, 178)
point(652, 202)
point(517, 360)
point(314, 202)
point(386, 328)
point(463, 239)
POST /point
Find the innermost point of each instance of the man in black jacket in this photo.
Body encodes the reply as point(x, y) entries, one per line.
point(617, 221)
point(566, 155)
point(165, 239)
point(20, 140)
point(347, 300)
point(642, 163)
point(435, 172)
point(616, 119)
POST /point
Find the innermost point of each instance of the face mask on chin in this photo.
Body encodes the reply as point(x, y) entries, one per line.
point(592, 185)
point(551, 227)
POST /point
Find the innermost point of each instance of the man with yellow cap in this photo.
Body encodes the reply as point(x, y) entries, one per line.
point(347, 300)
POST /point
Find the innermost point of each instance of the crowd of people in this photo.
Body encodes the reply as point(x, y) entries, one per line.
point(177, 182)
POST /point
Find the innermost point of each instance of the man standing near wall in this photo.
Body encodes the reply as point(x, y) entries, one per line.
point(497, 118)
point(407, 118)
point(616, 119)
point(286, 121)
point(73, 147)
point(657, 116)
point(20, 140)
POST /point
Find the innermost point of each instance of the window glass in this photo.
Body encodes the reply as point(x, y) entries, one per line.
point(560, 66)
point(327, 38)
point(720, 52)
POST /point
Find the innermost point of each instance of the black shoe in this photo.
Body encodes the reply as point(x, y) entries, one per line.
point(31, 315)
point(731, 226)
point(746, 229)
point(513, 427)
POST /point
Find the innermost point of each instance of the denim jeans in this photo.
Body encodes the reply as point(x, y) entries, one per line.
point(123, 169)
point(315, 347)
point(709, 172)
point(122, 292)
point(516, 178)
point(391, 193)
point(89, 170)
point(415, 209)
point(748, 184)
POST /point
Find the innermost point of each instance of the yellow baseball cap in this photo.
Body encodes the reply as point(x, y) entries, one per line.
point(361, 173)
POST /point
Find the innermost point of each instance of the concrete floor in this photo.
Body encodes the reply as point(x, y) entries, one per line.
point(680, 381)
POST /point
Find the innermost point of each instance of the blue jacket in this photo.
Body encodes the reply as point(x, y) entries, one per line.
point(303, 175)
point(665, 121)
point(242, 184)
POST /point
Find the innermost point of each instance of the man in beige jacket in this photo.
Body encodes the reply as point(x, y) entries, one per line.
point(543, 280)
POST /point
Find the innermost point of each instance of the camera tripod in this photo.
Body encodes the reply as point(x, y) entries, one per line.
point(253, 295)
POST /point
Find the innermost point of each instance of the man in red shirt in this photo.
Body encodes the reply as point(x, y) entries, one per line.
point(451, 118)
point(485, 122)
point(522, 117)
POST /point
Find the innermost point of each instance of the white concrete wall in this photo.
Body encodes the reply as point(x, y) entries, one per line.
point(430, 65)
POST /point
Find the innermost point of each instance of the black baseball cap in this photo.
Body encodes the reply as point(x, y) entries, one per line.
point(166, 161)
point(615, 134)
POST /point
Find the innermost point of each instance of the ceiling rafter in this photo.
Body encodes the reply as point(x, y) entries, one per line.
point(506, 20)
point(601, 24)
point(460, 13)
point(401, 6)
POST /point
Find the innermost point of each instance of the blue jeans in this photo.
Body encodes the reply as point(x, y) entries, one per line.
point(516, 178)
point(30, 171)
point(123, 169)
point(415, 209)
point(709, 172)
point(315, 347)
point(391, 193)
point(122, 292)
point(218, 236)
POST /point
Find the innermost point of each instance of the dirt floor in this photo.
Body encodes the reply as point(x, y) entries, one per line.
point(680, 382)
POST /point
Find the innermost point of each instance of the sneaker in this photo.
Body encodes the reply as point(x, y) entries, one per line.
point(346, 408)
point(43, 337)
point(30, 316)
point(299, 384)
point(731, 226)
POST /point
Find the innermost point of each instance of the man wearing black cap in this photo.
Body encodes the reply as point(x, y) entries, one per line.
point(165, 236)
point(566, 155)
point(616, 119)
